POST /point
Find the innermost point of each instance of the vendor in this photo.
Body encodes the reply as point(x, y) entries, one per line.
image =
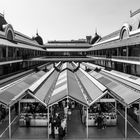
point(27, 120)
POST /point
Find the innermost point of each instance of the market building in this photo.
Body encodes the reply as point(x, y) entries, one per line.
point(90, 87)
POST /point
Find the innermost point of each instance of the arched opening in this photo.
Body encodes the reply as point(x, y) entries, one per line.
point(10, 35)
point(124, 34)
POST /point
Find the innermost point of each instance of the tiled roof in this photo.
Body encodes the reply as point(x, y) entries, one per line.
point(134, 40)
point(114, 34)
point(23, 38)
point(19, 45)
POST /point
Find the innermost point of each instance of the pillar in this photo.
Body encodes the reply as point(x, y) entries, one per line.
point(115, 106)
point(19, 108)
point(9, 122)
point(87, 122)
point(127, 51)
point(48, 122)
point(139, 115)
point(125, 122)
point(118, 52)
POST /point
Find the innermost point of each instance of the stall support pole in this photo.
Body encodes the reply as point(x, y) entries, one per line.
point(115, 106)
point(67, 116)
point(19, 108)
point(9, 122)
point(67, 102)
point(139, 115)
point(87, 122)
point(51, 111)
point(125, 122)
point(48, 122)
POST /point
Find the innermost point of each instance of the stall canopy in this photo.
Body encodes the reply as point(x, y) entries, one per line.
point(124, 93)
point(11, 94)
point(43, 93)
point(33, 87)
point(67, 65)
point(92, 88)
point(67, 87)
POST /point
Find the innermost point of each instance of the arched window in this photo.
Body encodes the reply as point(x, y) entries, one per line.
point(124, 34)
point(10, 35)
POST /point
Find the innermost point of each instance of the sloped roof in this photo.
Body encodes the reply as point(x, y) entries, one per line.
point(5, 42)
point(44, 92)
point(19, 37)
point(124, 94)
point(11, 94)
point(133, 40)
point(67, 86)
point(92, 88)
point(109, 36)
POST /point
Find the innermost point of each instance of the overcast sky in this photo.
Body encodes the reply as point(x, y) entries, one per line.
point(67, 19)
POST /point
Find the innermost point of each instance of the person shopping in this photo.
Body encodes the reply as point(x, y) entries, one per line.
point(60, 133)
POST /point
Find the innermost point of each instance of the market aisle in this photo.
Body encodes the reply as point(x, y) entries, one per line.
point(78, 130)
point(131, 129)
point(75, 128)
point(31, 133)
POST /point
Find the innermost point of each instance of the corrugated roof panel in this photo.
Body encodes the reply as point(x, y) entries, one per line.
point(6, 97)
point(61, 90)
point(43, 92)
point(104, 80)
point(10, 94)
point(95, 74)
point(74, 90)
point(124, 92)
point(93, 91)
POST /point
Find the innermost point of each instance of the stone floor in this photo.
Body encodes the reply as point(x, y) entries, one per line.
point(76, 131)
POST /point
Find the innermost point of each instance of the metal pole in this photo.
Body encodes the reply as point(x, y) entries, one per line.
point(9, 122)
point(125, 122)
point(19, 108)
point(87, 122)
point(139, 115)
point(67, 102)
point(67, 116)
point(51, 111)
point(48, 122)
point(115, 106)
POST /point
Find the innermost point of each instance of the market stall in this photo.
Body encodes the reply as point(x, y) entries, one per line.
point(35, 113)
point(107, 111)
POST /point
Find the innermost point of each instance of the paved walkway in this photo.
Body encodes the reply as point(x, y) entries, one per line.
point(77, 130)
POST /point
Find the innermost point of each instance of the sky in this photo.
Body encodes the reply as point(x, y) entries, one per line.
point(67, 19)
